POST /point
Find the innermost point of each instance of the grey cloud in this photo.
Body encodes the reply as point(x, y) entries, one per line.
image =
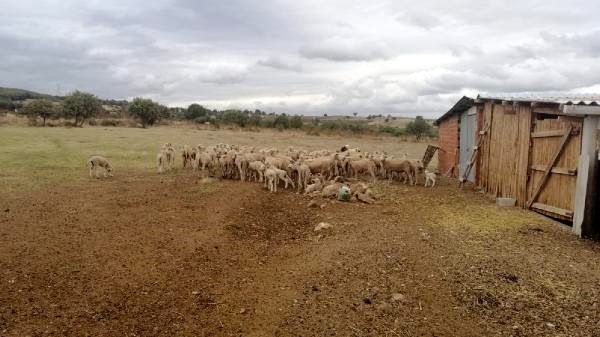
point(420, 18)
point(343, 49)
point(377, 56)
point(278, 63)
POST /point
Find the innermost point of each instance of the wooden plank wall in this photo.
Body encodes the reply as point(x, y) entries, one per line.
point(559, 190)
point(505, 151)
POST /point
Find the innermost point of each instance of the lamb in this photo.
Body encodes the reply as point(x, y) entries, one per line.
point(257, 168)
point(303, 173)
point(331, 191)
point(282, 175)
point(271, 179)
point(96, 162)
point(316, 186)
point(430, 178)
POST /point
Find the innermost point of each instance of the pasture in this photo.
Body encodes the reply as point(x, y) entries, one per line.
point(143, 254)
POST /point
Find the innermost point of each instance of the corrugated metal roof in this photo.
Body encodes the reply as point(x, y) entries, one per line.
point(570, 103)
point(463, 104)
point(557, 99)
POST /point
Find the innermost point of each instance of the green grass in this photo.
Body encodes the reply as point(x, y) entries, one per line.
point(36, 157)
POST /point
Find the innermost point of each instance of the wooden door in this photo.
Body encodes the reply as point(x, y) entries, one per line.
point(553, 193)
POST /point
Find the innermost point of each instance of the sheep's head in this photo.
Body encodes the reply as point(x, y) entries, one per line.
point(419, 165)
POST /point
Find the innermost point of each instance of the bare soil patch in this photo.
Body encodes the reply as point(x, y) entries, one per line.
point(148, 255)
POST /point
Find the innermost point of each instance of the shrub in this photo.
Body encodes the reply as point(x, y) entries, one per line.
point(110, 122)
point(296, 122)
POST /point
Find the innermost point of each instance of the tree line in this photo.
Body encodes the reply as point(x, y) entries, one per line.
point(81, 106)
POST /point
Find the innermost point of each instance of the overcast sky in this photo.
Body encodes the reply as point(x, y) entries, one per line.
point(309, 57)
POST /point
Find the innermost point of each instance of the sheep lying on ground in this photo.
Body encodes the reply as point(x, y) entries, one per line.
point(96, 162)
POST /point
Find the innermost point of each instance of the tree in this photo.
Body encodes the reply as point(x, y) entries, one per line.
point(81, 105)
point(195, 111)
point(146, 110)
point(418, 128)
point(40, 107)
point(355, 113)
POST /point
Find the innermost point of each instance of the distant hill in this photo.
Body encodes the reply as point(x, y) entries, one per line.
point(15, 94)
point(11, 98)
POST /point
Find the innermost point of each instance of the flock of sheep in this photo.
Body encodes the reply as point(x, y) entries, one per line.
point(313, 172)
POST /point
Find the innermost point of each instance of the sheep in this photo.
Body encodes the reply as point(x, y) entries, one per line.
point(96, 162)
point(430, 178)
point(316, 186)
point(203, 161)
point(161, 161)
point(303, 174)
point(363, 166)
point(279, 175)
point(331, 191)
point(271, 179)
point(322, 165)
point(188, 155)
point(169, 151)
point(257, 169)
point(400, 166)
point(226, 163)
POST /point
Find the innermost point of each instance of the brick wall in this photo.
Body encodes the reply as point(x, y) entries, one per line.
point(448, 143)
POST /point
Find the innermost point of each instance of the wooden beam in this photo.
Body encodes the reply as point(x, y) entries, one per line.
point(553, 133)
point(552, 209)
point(557, 170)
point(550, 165)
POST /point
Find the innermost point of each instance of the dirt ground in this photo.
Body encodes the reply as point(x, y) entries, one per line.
point(172, 255)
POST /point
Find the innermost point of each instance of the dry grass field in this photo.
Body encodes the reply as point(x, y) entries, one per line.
point(143, 254)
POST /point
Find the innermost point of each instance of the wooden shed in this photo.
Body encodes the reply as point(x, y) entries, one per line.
point(541, 151)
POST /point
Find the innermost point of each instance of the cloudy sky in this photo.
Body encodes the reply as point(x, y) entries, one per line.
point(311, 56)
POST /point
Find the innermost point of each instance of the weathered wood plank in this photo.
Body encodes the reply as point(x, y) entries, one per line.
point(553, 133)
point(552, 209)
point(557, 170)
point(550, 165)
